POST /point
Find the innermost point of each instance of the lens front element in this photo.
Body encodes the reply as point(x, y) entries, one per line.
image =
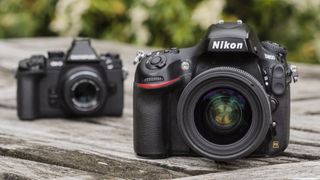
point(222, 116)
point(224, 109)
point(85, 94)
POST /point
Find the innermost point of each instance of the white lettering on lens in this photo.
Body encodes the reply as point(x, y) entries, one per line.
point(226, 45)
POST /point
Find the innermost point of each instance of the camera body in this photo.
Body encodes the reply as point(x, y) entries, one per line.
point(229, 68)
point(73, 84)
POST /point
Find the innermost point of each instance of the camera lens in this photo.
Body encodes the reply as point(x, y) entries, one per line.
point(84, 90)
point(224, 113)
point(223, 116)
point(85, 94)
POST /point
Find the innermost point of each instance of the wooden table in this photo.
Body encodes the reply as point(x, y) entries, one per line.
point(98, 148)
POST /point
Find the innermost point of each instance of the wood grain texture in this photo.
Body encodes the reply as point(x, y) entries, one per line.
point(302, 170)
point(13, 168)
point(103, 147)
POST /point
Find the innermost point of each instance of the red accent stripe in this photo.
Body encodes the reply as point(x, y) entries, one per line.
point(159, 85)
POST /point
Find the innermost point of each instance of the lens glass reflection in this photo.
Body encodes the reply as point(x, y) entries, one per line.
point(85, 94)
point(223, 116)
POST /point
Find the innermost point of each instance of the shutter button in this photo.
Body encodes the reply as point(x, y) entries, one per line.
point(155, 60)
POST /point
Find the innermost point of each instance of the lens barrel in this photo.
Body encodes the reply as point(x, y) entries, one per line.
point(84, 91)
point(224, 113)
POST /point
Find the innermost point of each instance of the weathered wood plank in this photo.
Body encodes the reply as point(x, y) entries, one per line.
point(308, 170)
point(308, 107)
point(303, 151)
point(306, 123)
point(20, 169)
point(92, 163)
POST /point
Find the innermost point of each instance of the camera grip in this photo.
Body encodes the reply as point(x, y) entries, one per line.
point(149, 124)
point(27, 99)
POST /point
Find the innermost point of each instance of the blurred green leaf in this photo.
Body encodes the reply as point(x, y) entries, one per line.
point(164, 23)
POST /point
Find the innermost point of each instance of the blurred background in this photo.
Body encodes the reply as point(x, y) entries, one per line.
point(165, 23)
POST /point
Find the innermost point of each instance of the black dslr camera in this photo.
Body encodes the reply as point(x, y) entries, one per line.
point(76, 83)
point(225, 98)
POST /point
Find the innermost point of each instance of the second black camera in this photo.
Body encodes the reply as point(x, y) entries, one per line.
point(76, 83)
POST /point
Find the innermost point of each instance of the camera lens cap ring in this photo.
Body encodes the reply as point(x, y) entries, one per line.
point(244, 83)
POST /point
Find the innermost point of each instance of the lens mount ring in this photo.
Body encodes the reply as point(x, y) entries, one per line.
point(77, 79)
point(85, 94)
point(227, 77)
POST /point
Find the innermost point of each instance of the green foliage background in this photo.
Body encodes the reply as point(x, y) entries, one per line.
point(164, 23)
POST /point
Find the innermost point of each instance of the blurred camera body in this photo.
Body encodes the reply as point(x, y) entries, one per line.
point(225, 98)
point(73, 84)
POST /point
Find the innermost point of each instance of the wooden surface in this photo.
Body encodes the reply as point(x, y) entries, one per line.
point(102, 148)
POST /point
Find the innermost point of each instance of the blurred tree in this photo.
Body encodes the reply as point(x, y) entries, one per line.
point(165, 23)
point(279, 21)
point(21, 18)
point(169, 23)
point(108, 19)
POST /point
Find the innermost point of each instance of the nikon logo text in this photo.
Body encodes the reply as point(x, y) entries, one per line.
point(226, 45)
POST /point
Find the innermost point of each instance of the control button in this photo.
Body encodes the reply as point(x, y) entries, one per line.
point(278, 88)
point(294, 73)
point(274, 104)
point(278, 80)
point(155, 60)
point(264, 72)
point(36, 62)
point(274, 47)
point(161, 64)
point(185, 66)
point(23, 65)
point(174, 50)
point(53, 97)
point(52, 91)
point(278, 71)
point(55, 54)
point(153, 79)
point(139, 56)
